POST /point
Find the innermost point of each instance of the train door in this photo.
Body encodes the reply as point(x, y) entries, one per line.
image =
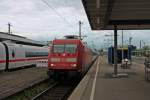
point(6, 56)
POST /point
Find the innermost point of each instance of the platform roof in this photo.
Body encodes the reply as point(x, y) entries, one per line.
point(126, 14)
point(19, 39)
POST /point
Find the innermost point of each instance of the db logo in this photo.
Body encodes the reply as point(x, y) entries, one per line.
point(13, 53)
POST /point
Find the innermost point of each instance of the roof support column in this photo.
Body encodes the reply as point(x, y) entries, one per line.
point(115, 51)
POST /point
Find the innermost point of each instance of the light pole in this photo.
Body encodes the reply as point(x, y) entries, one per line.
point(9, 28)
point(140, 44)
point(122, 46)
point(129, 48)
point(80, 24)
point(144, 48)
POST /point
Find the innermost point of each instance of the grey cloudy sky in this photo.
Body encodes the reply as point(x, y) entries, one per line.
point(35, 20)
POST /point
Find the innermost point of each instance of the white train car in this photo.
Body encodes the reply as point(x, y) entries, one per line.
point(16, 55)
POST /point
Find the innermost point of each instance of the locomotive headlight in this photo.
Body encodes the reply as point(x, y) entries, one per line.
point(74, 65)
point(55, 59)
point(52, 64)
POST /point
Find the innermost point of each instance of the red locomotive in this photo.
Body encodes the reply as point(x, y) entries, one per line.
point(69, 57)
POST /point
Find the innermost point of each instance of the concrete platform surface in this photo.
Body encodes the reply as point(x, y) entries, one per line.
point(12, 82)
point(98, 84)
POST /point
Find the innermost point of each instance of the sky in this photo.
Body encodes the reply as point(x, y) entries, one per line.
point(39, 21)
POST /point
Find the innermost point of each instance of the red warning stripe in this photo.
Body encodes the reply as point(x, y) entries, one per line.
point(2, 61)
point(25, 59)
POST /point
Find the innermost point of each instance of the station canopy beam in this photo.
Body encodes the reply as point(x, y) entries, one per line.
point(126, 14)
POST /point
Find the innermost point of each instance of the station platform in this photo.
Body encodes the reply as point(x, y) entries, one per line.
point(15, 81)
point(98, 83)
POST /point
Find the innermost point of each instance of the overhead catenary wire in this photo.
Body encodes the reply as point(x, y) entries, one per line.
point(58, 14)
point(78, 17)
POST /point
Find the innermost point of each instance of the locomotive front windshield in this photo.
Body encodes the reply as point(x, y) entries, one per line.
point(58, 48)
point(68, 48)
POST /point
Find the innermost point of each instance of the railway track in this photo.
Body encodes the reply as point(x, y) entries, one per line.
point(57, 91)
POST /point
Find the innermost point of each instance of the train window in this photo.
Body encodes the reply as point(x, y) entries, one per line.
point(59, 48)
point(70, 48)
point(36, 54)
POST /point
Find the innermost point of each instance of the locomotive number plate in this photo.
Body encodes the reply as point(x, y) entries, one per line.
point(63, 59)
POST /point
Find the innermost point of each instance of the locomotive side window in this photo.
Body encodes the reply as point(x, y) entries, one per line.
point(70, 48)
point(59, 48)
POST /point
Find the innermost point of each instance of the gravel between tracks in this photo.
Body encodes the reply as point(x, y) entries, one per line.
point(16, 81)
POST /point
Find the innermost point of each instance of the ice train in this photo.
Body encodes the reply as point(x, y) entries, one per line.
point(14, 55)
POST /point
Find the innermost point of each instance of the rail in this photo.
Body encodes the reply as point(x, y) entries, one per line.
point(43, 92)
point(57, 91)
